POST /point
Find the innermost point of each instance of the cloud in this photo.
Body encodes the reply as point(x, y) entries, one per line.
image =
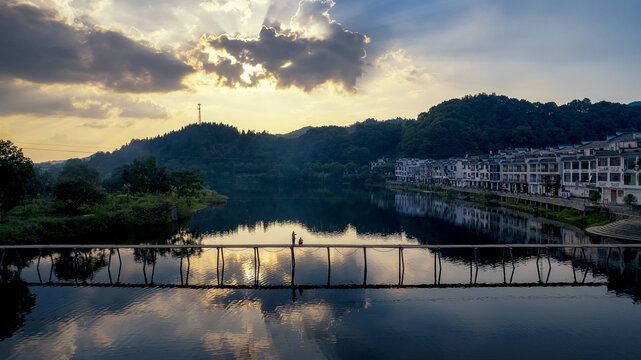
point(398, 65)
point(20, 98)
point(314, 51)
point(36, 46)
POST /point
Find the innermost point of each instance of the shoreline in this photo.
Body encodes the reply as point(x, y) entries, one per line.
point(566, 216)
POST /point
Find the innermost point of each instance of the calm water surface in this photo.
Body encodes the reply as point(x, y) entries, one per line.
point(154, 310)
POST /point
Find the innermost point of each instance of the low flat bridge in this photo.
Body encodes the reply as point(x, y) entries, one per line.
point(543, 253)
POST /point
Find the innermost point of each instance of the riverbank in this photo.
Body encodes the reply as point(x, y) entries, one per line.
point(146, 217)
point(568, 216)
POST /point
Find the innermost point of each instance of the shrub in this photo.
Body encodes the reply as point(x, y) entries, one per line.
point(629, 199)
point(74, 193)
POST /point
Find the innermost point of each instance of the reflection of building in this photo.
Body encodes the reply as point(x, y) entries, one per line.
point(508, 227)
point(503, 226)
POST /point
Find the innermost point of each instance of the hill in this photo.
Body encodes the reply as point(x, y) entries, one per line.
point(226, 154)
point(481, 123)
point(470, 125)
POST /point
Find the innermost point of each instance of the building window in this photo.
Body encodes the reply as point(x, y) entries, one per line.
point(593, 164)
point(603, 161)
point(566, 178)
point(585, 165)
point(575, 177)
point(615, 161)
point(629, 179)
point(532, 178)
point(584, 177)
point(615, 177)
point(629, 163)
point(575, 165)
point(567, 165)
point(592, 178)
point(603, 176)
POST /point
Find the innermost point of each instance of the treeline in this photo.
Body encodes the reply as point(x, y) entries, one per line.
point(331, 154)
point(138, 201)
point(77, 185)
point(328, 154)
point(483, 123)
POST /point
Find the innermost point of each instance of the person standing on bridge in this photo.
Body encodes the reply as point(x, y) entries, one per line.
point(293, 238)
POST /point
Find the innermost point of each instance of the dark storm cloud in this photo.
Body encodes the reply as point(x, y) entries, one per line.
point(292, 58)
point(35, 46)
point(22, 99)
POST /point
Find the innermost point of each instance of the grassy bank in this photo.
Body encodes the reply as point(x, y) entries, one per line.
point(568, 216)
point(119, 219)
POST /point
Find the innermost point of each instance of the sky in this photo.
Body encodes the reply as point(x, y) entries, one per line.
point(79, 76)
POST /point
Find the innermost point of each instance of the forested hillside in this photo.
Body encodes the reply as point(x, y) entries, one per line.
point(471, 125)
point(478, 124)
point(323, 154)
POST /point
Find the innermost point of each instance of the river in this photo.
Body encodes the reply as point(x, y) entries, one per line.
point(528, 303)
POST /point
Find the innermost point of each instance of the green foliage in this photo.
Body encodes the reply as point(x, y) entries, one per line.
point(483, 123)
point(134, 217)
point(186, 182)
point(328, 154)
point(595, 195)
point(629, 199)
point(15, 172)
point(41, 184)
point(74, 193)
point(574, 217)
point(79, 170)
point(144, 176)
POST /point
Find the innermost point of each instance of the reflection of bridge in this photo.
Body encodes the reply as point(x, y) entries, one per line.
point(541, 256)
point(331, 287)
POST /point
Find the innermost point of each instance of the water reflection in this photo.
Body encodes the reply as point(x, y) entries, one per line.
point(257, 303)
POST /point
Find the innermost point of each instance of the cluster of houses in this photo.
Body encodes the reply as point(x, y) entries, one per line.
point(611, 167)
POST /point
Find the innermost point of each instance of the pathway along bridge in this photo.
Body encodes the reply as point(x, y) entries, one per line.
point(543, 255)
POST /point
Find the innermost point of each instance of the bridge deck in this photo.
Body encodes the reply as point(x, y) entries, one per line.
point(287, 246)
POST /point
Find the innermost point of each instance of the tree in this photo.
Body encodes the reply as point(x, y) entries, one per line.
point(77, 169)
point(629, 199)
point(15, 172)
point(186, 182)
point(41, 184)
point(74, 193)
point(144, 176)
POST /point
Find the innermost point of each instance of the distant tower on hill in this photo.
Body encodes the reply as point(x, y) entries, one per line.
point(199, 118)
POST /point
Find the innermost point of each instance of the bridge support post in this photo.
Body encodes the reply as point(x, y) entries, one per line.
point(51, 269)
point(144, 264)
point(364, 266)
point(293, 265)
point(329, 267)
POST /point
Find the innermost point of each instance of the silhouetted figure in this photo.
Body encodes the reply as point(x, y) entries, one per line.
point(300, 241)
point(293, 238)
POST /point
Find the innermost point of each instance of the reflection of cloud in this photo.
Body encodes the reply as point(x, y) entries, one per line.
point(317, 50)
point(18, 97)
point(241, 345)
point(37, 47)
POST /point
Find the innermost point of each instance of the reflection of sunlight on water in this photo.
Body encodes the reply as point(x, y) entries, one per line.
point(280, 233)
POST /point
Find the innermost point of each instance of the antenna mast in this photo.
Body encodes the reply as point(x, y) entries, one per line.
point(199, 118)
